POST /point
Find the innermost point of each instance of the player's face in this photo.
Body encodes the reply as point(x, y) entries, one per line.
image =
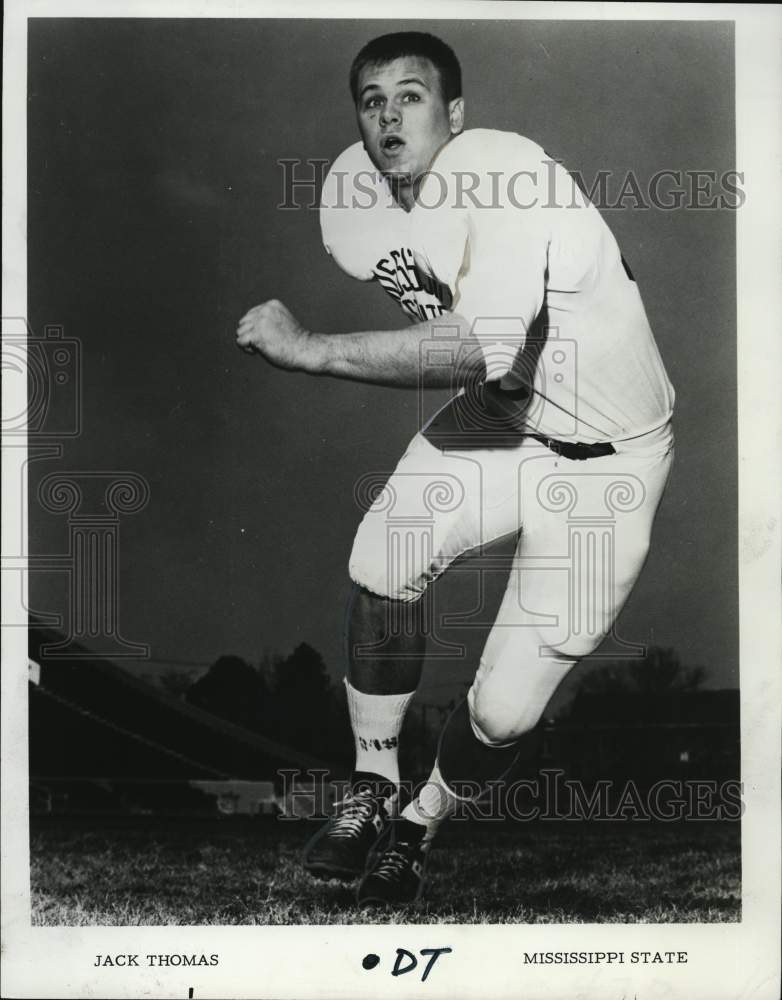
point(404, 120)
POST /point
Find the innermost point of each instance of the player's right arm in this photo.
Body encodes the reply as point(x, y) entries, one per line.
point(400, 357)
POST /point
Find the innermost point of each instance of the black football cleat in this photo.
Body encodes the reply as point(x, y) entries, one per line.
point(341, 847)
point(395, 874)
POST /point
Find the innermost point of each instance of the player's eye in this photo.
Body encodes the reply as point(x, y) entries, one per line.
point(411, 97)
point(372, 102)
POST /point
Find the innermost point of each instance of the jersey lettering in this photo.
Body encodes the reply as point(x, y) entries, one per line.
point(421, 296)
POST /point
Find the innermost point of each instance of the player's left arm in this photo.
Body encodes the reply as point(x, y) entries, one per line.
point(384, 357)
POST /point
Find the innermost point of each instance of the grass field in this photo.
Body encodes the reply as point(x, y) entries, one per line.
point(245, 872)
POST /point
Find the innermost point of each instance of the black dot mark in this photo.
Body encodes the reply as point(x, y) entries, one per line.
point(190, 993)
point(370, 961)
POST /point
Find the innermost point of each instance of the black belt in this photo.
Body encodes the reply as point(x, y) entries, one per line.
point(576, 450)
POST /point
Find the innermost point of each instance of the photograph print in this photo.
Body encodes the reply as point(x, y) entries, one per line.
point(382, 472)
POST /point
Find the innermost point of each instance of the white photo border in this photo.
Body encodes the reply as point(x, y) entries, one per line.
point(724, 960)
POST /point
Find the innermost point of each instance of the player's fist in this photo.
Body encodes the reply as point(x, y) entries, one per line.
point(272, 330)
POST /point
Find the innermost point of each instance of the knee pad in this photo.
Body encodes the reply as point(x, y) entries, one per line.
point(567, 653)
point(491, 735)
point(497, 722)
point(371, 568)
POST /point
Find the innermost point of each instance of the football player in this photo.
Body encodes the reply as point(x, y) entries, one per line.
point(559, 428)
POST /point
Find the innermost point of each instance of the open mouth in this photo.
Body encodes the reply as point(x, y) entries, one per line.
point(391, 143)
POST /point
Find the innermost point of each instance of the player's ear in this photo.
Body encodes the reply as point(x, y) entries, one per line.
point(456, 115)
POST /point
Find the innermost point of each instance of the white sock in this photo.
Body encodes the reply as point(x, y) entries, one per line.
point(434, 803)
point(376, 720)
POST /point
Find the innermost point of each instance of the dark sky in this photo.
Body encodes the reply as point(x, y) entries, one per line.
point(153, 226)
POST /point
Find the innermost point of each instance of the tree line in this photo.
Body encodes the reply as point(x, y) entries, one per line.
point(293, 700)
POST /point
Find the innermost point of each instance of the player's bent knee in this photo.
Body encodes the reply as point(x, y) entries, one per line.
point(375, 578)
point(371, 568)
point(567, 653)
point(497, 724)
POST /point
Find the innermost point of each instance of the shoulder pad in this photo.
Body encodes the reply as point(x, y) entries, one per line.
point(479, 150)
point(354, 206)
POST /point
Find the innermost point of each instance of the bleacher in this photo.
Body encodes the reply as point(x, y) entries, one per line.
point(101, 737)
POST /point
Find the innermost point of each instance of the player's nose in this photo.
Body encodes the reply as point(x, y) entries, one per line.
point(390, 115)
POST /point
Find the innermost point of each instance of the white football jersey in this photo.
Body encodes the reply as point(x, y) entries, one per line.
point(502, 235)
